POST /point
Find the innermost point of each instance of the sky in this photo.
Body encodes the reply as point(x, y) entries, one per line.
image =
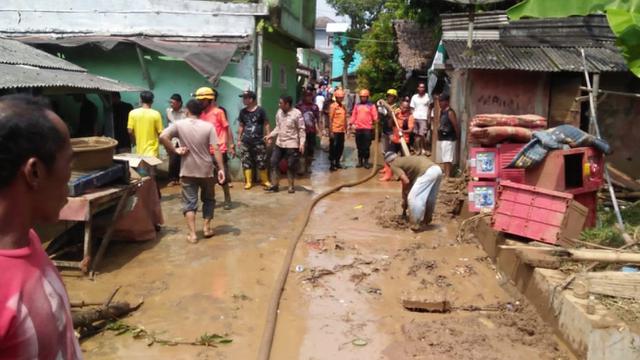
point(322, 9)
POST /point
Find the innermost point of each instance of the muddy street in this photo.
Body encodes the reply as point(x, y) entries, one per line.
point(353, 268)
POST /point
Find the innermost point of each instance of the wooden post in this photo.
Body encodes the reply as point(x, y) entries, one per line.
point(107, 237)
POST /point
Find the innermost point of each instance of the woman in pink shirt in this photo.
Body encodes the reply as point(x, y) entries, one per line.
point(35, 153)
point(363, 118)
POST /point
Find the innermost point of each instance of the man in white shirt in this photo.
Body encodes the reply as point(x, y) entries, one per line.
point(421, 107)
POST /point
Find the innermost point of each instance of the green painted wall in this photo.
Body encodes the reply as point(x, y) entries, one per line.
point(282, 57)
point(297, 19)
point(169, 76)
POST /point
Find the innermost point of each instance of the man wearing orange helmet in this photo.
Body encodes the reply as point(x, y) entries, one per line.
point(337, 128)
point(212, 113)
point(363, 117)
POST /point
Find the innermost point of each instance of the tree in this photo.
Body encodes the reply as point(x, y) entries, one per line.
point(361, 13)
point(379, 69)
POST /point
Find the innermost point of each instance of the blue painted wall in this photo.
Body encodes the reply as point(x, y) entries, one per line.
point(338, 63)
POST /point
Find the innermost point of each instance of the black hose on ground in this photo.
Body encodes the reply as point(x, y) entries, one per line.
point(264, 352)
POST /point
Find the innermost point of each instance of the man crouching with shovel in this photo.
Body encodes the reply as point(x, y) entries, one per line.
point(420, 184)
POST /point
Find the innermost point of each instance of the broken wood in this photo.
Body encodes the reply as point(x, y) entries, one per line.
point(439, 305)
point(86, 318)
point(623, 180)
point(590, 267)
point(83, 303)
point(612, 283)
point(540, 260)
point(605, 256)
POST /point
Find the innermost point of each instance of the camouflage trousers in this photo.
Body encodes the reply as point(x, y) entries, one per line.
point(253, 155)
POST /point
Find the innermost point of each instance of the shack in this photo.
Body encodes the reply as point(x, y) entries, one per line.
point(174, 47)
point(25, 69)
point(535, 66)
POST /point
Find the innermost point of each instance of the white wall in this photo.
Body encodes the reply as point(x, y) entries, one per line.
point(126, 17)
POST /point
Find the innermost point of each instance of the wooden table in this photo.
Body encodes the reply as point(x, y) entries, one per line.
point(84, 208)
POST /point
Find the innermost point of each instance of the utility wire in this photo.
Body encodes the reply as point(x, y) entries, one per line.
point(368, 40)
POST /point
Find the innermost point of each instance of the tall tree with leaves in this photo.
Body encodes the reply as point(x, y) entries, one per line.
point(361, 13)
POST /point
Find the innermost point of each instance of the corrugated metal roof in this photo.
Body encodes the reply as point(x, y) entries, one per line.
point(17, 53)
point(493, 55)
point(22, 76)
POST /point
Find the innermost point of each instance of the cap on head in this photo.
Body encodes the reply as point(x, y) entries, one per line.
point(392, 92)
point(364, 92)
point(248, 94)
point(205, 93)
point(389, 156)
point(339, 93)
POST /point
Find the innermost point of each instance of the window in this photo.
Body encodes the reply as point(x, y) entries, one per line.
point(266, 73)
point(283, 76)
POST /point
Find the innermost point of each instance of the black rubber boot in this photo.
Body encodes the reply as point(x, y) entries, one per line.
point(290, 177)
point(360, 163)
point(227, 196)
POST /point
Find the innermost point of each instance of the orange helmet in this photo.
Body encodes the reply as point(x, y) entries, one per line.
point(338, 93)
point(364, 92)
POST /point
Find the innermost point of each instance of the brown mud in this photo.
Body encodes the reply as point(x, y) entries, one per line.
point(343, 299)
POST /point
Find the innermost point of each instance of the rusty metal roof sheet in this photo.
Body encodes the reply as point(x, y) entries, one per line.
point(494, 55)
point(16, 53)
point(24, 76)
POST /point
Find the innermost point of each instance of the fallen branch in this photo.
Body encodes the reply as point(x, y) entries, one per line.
point(138, 332)
point(86, 318)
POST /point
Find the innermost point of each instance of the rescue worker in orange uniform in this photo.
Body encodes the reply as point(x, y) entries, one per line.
point(363, 117)
point(337, 129)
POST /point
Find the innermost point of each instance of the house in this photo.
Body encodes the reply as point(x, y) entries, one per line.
point(416, 49)
point(174, 46)
point(25, 69)
point(338, 32)
point(535, 66)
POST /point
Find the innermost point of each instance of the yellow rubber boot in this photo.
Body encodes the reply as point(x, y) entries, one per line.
point(248, 179)
point(264, 178)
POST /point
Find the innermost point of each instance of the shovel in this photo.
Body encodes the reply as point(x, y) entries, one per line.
point(403, 143)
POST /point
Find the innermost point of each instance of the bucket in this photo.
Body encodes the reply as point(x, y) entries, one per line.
point(92, 153)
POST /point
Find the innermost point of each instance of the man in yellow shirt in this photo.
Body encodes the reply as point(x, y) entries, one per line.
point(144, 125)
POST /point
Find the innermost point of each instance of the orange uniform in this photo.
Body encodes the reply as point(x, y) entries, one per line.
point(406, 121)
point(338, 118)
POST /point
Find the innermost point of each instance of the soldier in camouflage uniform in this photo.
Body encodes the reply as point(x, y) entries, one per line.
point(253, 127)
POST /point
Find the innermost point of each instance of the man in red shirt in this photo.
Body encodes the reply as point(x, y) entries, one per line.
point(217, 116)
point(35, 153)
point(363, 117)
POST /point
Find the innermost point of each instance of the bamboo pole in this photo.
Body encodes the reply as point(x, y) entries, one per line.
point(594, 122)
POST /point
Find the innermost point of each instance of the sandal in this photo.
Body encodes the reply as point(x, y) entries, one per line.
point(208, 233)
point(192, 240)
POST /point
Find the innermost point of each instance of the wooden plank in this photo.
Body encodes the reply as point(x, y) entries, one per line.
point(612, 283)
point(621, 179)
point(605, 256)
point(539, 259)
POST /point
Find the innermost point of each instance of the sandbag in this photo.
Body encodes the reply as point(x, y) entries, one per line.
point(527, 121)
point(490, 136)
